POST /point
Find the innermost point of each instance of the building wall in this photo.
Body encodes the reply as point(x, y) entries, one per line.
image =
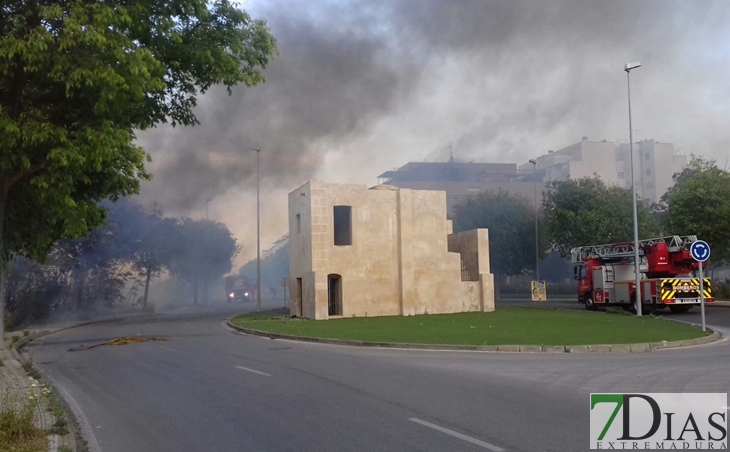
point(398, 262)
point(582, 159)
point(654, 165)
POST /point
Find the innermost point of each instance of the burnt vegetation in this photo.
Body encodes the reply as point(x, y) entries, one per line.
point(113, 267)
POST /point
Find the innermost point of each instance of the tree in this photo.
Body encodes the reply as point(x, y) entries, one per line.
point(149, 240)
point(79, 77)
point(588, 212)
point(699, 204)
point(207, 250)
point(511, 223)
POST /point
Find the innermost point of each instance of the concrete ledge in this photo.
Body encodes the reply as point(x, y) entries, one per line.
point(531, 348)
point(601, 348)
point(640, 348)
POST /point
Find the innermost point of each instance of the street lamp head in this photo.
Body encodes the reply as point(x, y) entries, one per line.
point(254, 149)
point(533, 161)
point(630, 66)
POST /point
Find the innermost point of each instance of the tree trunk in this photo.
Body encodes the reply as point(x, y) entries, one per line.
point(3, 265)
point(146, 288)
point(195, 291)
point(80, 290)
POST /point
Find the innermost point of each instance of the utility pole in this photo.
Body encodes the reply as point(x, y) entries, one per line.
point(537, 247)
point(637, 262)
point(258, 232)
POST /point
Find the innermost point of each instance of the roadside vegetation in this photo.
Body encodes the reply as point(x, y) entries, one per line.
point(17, 430)
point(506, 326)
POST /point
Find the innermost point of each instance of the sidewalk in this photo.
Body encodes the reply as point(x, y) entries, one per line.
point(20, 391)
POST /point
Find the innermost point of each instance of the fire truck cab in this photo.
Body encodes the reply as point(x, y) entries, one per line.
point(606, 275)
point(239, 289)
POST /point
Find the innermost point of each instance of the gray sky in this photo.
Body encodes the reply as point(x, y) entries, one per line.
point(361, 87)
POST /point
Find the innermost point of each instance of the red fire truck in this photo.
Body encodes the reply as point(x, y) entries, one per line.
point(606, 275)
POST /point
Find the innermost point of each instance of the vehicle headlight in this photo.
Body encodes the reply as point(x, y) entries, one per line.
point(232, 295)
point(246, 294)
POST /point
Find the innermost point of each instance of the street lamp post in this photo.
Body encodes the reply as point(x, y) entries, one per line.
point(258, 233)
point(637, 262)
point(537, 248)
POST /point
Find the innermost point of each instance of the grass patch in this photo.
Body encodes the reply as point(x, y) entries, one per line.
point(506, 326)
point(17, 431)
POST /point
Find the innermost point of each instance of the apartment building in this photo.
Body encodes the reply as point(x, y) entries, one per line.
point(655, 164)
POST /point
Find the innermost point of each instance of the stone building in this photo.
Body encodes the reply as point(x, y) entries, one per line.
point(382, 251)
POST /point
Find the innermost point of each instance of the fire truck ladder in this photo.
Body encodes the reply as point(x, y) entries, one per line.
point(626, 249)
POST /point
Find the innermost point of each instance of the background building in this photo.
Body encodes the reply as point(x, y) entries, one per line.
point(655, 164)
point(462, 179)
point(582, 159)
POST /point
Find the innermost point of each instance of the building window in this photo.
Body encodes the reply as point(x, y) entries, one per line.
point(648, 172)
point(647, 156)
point(620, 174)
point(343, 225)
point(299, 223)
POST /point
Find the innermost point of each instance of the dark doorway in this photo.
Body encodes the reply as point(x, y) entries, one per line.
point(298, 296)
point(334, 295)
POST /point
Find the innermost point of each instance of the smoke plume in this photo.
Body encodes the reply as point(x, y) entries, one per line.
point(360, 87)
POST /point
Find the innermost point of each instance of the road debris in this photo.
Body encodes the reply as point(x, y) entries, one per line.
point(119, 341)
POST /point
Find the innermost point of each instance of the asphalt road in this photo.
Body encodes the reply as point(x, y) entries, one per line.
point(209, 389)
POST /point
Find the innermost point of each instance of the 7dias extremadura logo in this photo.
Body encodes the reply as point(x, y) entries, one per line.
point(659, 421)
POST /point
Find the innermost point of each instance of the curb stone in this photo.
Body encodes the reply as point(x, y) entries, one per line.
point(531, 348)
point(601, 348)
point(640, 348)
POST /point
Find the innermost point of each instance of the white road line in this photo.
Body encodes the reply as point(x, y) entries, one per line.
point(167, 348)
point(253, 371)
point(457, 435)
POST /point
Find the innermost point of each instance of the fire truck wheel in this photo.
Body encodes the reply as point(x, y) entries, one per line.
point(679, 309)
point(588, 301)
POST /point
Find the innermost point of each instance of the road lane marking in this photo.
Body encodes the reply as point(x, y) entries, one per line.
point(167, 348)
point(253, 371)
point(457, 435)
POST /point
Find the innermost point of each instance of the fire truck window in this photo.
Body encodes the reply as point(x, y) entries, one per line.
point(583, 272)
point(343, 225)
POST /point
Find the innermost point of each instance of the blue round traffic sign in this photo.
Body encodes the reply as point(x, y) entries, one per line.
point(700, 250)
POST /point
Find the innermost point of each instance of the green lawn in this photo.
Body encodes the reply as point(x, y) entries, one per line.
point(506, 326)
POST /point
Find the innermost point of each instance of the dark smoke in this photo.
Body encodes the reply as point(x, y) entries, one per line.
point(328, 85)
point(496, 80)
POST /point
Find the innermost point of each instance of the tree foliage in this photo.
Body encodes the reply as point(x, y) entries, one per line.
point(79, 77)
point(588, 212)
point(511, 223)
point(207, 254)
point(699, 204)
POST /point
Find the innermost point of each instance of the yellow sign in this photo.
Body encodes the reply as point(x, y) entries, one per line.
point(539, 290)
